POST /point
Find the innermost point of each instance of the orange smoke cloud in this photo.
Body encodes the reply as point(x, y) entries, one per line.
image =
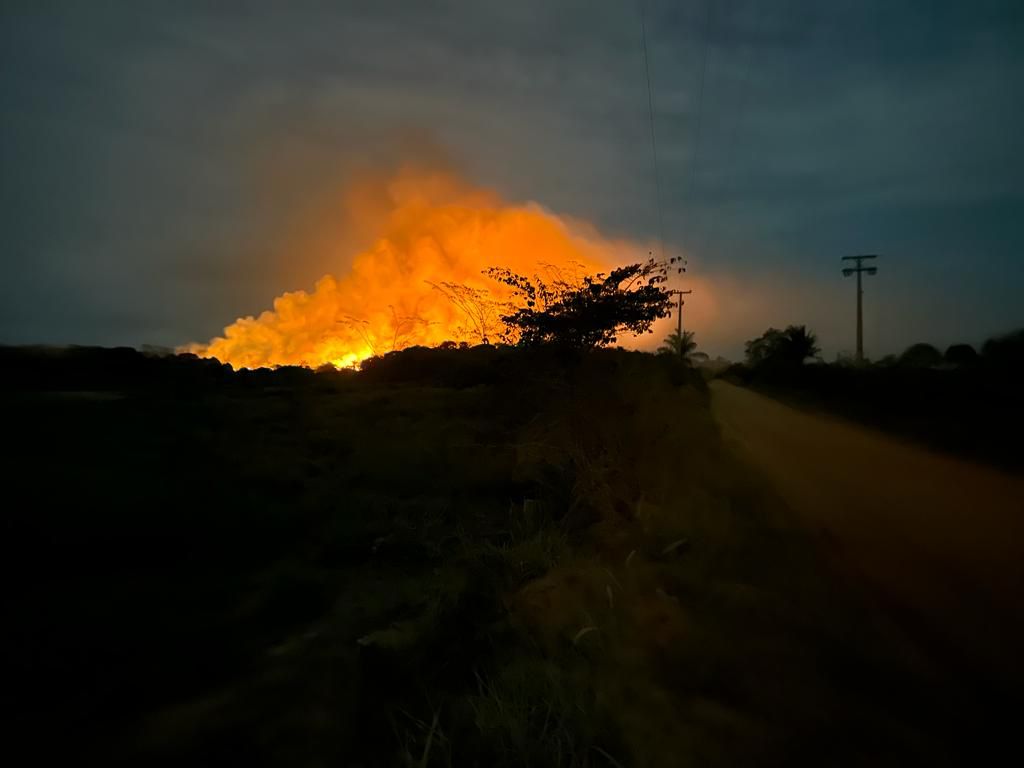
point(434, 229)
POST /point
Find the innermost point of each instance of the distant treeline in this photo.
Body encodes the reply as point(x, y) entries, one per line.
point(77, 368)
point(124, 369)
point(961, 401)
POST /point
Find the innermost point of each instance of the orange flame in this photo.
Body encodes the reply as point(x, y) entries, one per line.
point(437, 232)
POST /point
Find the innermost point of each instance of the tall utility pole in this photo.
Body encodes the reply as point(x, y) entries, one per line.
point(679, 318)
point(859, 270)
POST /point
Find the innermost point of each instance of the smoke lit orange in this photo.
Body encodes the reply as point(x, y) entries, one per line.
point(437, 230)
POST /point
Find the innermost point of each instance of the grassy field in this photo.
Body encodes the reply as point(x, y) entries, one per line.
point(455, 557)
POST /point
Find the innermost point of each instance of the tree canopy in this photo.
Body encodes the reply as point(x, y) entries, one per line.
point(587, 313)
point(680, 346)
point(791, 347)
point(920, 356)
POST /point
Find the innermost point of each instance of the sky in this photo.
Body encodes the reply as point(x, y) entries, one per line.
point(161, 160)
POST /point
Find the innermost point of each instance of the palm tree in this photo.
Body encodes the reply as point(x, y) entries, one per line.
point(788, 348)
point(799, 344)
point(680, 346)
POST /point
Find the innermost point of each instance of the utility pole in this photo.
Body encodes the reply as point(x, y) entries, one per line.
point(679, 317)
point(859, 270)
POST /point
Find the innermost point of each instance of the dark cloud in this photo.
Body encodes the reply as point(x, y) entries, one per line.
point(160, 157)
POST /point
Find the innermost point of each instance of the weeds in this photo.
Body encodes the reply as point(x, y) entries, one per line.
point(474, 557)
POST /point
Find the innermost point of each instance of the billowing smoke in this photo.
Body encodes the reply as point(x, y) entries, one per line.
point(435, 235)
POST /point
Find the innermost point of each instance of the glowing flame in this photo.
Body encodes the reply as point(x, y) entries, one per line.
point(436, 232)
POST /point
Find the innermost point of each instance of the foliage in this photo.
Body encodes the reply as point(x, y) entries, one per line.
point(920, 356)
point(961, 354)
point(588, 313)
point(1005, 352)
point(960, 402)
point(451, 557)
point(682, 347)
point(788, 348)
point(480, 310)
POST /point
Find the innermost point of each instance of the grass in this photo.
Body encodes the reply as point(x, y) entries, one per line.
point(480, 557)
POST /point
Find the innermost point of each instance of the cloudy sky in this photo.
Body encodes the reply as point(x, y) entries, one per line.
point(160, 158)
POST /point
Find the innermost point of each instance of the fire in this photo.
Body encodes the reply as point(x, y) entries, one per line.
point(421, 281)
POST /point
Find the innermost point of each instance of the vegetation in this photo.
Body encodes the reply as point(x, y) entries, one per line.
point(960, 402)
point(588, 313)
point(959, 355)
point(920, 356)
point(682, 347)
point(487, 556)
point(1005, 353)
point(782, 349)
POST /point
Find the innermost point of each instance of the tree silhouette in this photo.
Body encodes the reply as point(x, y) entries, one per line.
point(800, 344)
point(679, 346)
point(1005, 352)
point(482, 312)
point(788, 348)
point(587, 313)
point(961, 355)
point(920, 356)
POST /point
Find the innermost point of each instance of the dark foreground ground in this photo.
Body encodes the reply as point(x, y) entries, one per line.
point(476, 557)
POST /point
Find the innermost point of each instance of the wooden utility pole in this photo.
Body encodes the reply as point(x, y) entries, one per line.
point(859, 270)
point(679, 318)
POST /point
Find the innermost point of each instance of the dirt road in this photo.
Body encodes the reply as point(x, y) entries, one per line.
point(937, 542)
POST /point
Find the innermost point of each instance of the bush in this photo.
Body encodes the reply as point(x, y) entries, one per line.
point(961, 354)
point(1005, 352)
point(590, 313)
point(920, 356)
point(782, 349)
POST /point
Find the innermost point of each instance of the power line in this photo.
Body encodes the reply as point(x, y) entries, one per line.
point(694, 154)
point(700, 106)
point(699, 236)
point(744, 170)
point(679, 318)
point(654, 139)
point(859, 270)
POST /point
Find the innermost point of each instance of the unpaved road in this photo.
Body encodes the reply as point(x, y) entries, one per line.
point(937, 542)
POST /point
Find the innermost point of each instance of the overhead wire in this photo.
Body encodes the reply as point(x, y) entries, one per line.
point(654, 139)
point(740, 102)
point(695, 151)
